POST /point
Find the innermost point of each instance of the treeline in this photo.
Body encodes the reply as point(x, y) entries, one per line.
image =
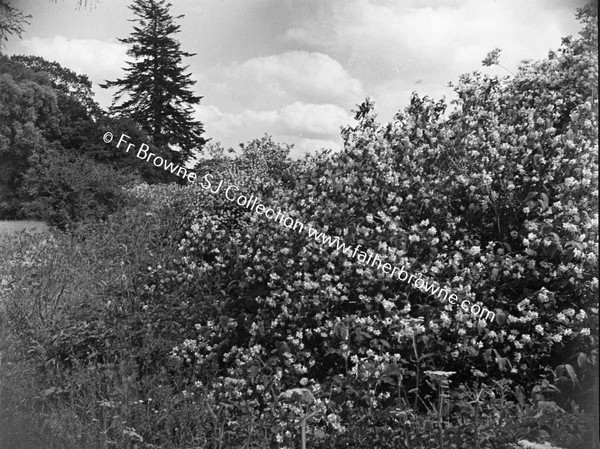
point(54, 165)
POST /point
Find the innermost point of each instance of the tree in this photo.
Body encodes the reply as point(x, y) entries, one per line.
point(66, 82)
point(158, 91)
point(12, 20)
point(29, 114)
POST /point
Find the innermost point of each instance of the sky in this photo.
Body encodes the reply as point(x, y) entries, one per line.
point(294, 69)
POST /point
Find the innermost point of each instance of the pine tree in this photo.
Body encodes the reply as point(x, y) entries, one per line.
point(158, 91)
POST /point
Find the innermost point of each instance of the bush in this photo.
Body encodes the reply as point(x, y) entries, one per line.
point(63, 189)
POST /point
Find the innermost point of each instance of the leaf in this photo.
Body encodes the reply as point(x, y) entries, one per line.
point(530, 196)
point(569, 254)
point(582, 360)
point(559, 371)
point(546, 229)
point(501, 363)
point(519, 394)
point(501, 317)
point(473, 351)
point(302, 394)
point(572, 373)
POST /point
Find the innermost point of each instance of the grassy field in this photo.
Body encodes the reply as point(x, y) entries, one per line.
point(10, 227)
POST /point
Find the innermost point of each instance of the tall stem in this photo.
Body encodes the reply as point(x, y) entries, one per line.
point(440, 428)
point(304, 432)
point(417, 372)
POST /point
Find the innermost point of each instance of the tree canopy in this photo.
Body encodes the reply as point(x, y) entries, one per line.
point(156, 90)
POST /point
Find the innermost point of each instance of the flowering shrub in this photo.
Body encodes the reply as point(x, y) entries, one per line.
point(496, 199)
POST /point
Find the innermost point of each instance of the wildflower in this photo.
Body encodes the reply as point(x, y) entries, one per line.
point(474, 250)
point(387, 305)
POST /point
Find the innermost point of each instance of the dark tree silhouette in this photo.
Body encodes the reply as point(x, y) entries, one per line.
point(156, 91)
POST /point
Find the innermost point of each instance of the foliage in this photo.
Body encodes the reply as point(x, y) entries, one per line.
point(44, 105)
point(28, 113)
point(73, 87)
point(158, 91)
point(12, 21)
point(62, 189)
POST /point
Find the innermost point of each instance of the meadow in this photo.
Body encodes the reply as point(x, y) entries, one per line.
point(15, 226)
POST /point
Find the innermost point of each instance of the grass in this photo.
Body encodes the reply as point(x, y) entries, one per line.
point(11, 227)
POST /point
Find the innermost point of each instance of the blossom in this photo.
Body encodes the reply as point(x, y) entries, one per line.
point(474, 250)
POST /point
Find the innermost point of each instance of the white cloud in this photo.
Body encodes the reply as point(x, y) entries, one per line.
point(280, 79)
point(308, 126)
point(96, 58)
point(313, 120)
point(99, 59)
point(390, 45)
point(298, 97)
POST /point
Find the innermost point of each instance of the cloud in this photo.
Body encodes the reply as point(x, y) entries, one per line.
point(279, 79)
point(314, 121)
point(299, 97)
point(96, 58)
point(99, 59)
point(309, 126)
point(391, 45)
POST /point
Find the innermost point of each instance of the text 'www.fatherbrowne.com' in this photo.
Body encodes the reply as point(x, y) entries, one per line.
point(251, 203)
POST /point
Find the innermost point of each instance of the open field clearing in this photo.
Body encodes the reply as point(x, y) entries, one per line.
point(11, 227)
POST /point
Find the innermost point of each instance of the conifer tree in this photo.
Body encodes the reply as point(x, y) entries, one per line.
point(155, 92)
